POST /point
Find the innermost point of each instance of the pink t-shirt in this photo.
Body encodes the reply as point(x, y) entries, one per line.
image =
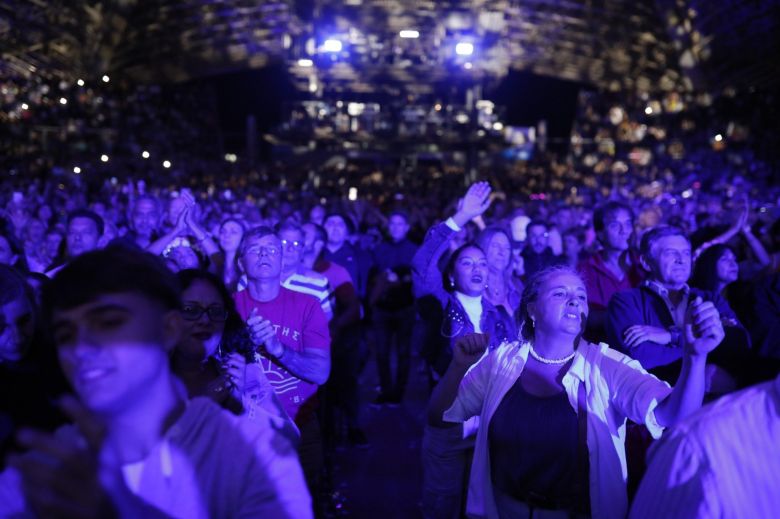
point(300, 323)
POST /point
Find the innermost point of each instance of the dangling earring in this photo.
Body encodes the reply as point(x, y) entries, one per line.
point(452, 283)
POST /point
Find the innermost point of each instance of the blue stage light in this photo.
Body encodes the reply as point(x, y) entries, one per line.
point(331, 45)
point(464, 48)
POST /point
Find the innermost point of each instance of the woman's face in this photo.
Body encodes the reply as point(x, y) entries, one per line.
point(470, 273)
point(7, 256)
point(184, 257)
point(499, 252)
point(230, 235)
point(16, 330)
point(728, 269)
point(562, 305)
point(571, 246)
point(204, 333)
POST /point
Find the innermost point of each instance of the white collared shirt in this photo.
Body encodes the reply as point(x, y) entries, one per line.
point(616, 388)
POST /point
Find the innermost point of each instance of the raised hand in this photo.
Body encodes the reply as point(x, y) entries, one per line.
point(703, 328)
point(474, 203)
point(468, 349)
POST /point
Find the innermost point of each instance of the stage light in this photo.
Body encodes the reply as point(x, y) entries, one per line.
point(464, 48)
point(468, 66)
point(305, 63)
point(166, 164)
point(497, 126)
point(77, 170)
point(231, 157)
point(63, 101)
point(145, 154)
point(106, 79)
point(649, 110)
point(409, 34)
point(104, 158)
point(25, 106)
point(80, 82)
point(437, 107)
point(718, 138)
point(331, 45)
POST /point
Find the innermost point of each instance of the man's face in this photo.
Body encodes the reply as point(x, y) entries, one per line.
point(671, 261)
point(262, 258)
point(82, 236)
point(397, 227)
point(337, 231)
point(114, 349)
point(145, 218)
point(293, 247)
point(316, 214)
point(618, 227)
point(537, 238)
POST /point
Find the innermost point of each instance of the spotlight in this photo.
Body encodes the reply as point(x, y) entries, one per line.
point(25, 106)
point(649, 110)
point(77, 170)
point(145, 154)
point(104, 158)
point(80, 82)
point(718, 138)
point(464, 48)
point(497, 126)
point(106, 79)
point(332, 45)
point(305, 63)
point(63, 101)
point(409, 34)
point(166, 164)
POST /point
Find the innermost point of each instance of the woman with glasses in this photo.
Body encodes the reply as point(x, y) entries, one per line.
point(215, 358)
point(457, 295)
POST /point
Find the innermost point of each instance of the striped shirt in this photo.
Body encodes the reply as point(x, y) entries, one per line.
point(313, 284)
point(723, 461)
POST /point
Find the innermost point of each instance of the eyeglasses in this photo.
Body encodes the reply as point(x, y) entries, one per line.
point(292, 244)
point(258, 250)
point(193, 312)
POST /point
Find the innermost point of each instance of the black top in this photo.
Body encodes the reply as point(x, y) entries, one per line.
point(533, 448)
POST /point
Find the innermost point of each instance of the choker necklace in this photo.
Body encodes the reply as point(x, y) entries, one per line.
point(544, 360)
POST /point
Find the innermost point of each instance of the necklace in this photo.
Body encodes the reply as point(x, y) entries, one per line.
point(545, 360)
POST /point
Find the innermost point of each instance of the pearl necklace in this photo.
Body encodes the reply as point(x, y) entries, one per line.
point(545, 360)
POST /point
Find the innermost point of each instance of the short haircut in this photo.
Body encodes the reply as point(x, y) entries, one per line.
point(399, 212)
point(92, 215)
point(536, 223)
point(347, 220)
point(319, 232)
point(252, 234)
point(651, 237)
point(607, 210)
point(288, 225)
point(148, 198)
point(112, 270)
point(576, 231)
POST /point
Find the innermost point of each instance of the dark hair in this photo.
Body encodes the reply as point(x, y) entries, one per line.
point(319, 232)
point(576, 231)
point(399, 212)
point(288, 225)
point(601, 213)
point(652, 236)
point(705, 269)
point(450, 267)
point(536, 223)
point(347, 220)
point(531, 294)
point(112, 270)
point(257, 232)
point(16, 249)
point(13, 286)
point(92, 215)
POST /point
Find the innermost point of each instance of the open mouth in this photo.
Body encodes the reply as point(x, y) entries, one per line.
point(92, 374)
point(476, 279)
point(571, 315)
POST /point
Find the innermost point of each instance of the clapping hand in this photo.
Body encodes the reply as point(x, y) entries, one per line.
point(263, 334)
point(468, 349)
point(63, 478)
point(703, 328)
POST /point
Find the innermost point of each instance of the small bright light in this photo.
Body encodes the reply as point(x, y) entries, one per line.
point(166, 164)
point(231, 157)
point(498, 126)
point(464, 49)
point(409, 34)
point(104, 158)
point(687, 193)
point(649, 110)
point(145, 154)
point(718, 138)
point(468, 66)
point(80, 82)
point(63, 101)
point(25, 106)
point(305, 63)
point(331, 45)
point(353, 193)
point(106, 79)
point(77, 170)
point(437, 107)
point(313, 87)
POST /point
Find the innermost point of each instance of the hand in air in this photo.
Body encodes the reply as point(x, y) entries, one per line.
point(469, 348)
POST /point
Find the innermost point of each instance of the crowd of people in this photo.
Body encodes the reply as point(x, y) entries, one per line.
point(567, 311)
